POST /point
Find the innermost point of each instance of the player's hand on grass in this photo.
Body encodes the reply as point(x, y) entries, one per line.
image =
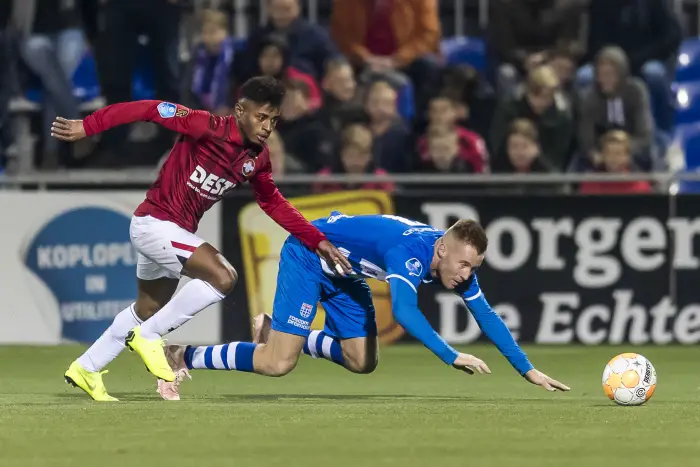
point(333, 257)
point(540, 379)
point(67, 130)
point(470, 364)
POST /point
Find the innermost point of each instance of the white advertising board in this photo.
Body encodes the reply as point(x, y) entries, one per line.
point(68, 267)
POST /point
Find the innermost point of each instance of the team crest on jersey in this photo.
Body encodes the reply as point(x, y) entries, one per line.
point(414, 267)
point(248, 167)
point(167, 110)
point(305, 311)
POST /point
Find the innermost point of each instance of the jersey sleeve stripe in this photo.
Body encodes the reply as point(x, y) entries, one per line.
point(403, 279)
point(473, 297)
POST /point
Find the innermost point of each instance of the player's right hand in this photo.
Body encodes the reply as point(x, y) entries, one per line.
point(470, 364)
point(67, 130)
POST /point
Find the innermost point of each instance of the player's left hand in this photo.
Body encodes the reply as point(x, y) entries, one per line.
point(67, 130)
point(333, 257)
point(540, 379)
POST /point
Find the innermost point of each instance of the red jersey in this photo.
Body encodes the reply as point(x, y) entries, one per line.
point(209, 159)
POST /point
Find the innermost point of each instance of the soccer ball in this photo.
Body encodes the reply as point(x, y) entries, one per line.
point(629, 379)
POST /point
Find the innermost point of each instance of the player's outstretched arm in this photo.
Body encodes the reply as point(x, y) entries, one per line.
point(175, 117)
point(404, 304)
point(290, 219)
point(496, 330)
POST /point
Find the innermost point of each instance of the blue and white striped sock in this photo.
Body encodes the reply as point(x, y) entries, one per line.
point(234, 356)
point(321, 345)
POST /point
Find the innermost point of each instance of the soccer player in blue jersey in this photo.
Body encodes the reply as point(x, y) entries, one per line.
point(402, 252)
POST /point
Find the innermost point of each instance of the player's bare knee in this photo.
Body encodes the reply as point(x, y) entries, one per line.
point(224, 279)
point(145, 309)
point(281, 367)
point(363, 365)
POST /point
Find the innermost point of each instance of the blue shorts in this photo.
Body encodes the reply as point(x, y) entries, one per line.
point(301, 284)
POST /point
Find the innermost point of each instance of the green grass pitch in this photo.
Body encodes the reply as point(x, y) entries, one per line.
point(413, 411)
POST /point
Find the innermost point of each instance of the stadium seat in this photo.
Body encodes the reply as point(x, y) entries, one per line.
point(465, 51)
point(687, 102)
point(406, 102)
point(142, 81)
point(688, 138)
point(86, 85)
point(688, 63)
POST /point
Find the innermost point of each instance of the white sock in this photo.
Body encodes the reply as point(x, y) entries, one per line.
point(111, 342)
point(195, 296)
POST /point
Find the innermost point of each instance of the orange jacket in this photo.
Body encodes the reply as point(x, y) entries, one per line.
point(415, 23)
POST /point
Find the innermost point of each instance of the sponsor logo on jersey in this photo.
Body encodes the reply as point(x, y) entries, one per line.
point(182, 112)
point(414, 267)
point(305, 311)
point(85, 259)
point(209, 185)
point(300, 323)
point(167, 110)
point(248, 167)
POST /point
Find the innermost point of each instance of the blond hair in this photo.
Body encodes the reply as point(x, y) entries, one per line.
point(215, 17)
point(542, 78)
point(525, 128)
point(471, 233)
point(358, 136)
point(615, 136)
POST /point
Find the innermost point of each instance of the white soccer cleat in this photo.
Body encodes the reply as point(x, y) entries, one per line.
point(175, 354)
point(261, 328)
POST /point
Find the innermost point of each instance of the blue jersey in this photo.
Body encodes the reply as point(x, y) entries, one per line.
point(400, 251)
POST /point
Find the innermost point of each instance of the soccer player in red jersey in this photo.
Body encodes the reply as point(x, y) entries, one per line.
point(212, 156)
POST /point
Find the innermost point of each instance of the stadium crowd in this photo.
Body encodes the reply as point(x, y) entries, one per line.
point(568, 86)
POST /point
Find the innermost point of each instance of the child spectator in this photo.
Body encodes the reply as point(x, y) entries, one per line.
point(355, 158)
point(442, 153)
point(304, 134)
point(443, 116)
point(521, 153)
point(211, 62)
point(550, 112)
point(340, 106)
point(391, 137)
point(274, 59)
point(474, 96)
point(615, 157)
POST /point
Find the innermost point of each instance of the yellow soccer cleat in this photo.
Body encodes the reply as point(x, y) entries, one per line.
point(88, 381)
point(152, 354)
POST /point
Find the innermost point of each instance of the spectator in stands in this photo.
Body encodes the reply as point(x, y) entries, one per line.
point(355, 158)
point(522, 32)
point(277, 151)
point(443, 154)
point(305, 137)
point(616, 101)
point(310, 45)
point(52, 45)
point(649, 32)
point(563, 60)
point(211, 65)
point(475, 97)
point(443, 118)
point(386, 36)
point(340, 104)
point(521, 153)
point(542, 103)
point(391, 146)
point(274, 61)
point(121, 23)
point(616, 157)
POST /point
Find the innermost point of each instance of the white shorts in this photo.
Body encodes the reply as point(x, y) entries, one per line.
point(162, 246)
